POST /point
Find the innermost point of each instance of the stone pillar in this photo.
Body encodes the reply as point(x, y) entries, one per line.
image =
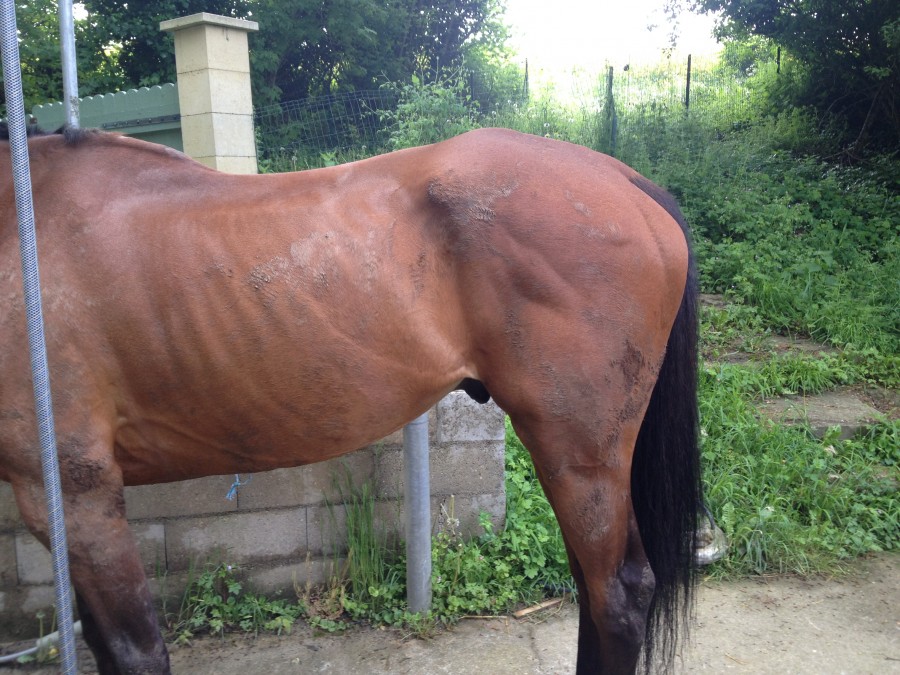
point(213, 65)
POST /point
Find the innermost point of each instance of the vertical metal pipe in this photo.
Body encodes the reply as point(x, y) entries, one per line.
point(18, 142)
point(69, 63)
point(418, 514)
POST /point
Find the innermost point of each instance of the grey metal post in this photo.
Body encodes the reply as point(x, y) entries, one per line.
point(69, 63)
point(418, 514)
point(18, 143)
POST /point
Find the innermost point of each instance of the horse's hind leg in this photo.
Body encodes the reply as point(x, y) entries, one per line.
point(114, 603)
point(579, 419)
point(592, 503)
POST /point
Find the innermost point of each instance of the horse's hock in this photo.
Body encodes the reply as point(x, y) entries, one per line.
point(280, 528)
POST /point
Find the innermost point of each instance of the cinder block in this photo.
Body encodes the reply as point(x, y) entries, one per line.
point(33, 562)
point(467, 509)
point(462, 419)
point(151, 543)
point(312, 484)
point(226, 48)
point(9, 512)
point(220, 91)
point(387, 473)
point(9, 576)
point(218, 134)
point(395, 439)
point(467, 468)
point(201, 45)
point(326, 529)
point(18, 612)
point(240, 165)
point(185, 498)
point(391, 517)
point(457, 468)
point(167, 590)
point(40, 598)
point(291, 580)
point(240, 537)
point(198, 135)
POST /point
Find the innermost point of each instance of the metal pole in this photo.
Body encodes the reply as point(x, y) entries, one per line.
point(418, 514)
point(687, 86)
point(18, 142)
point(69, 63)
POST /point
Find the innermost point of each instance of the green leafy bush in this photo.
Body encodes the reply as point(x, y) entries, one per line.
point(215, 601)
point(428, 112)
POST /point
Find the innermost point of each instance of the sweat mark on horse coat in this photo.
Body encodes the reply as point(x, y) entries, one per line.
point(592, 514)
point(80, 473)
point(468, 205)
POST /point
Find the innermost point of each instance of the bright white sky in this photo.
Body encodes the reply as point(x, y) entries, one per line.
point(559, 35)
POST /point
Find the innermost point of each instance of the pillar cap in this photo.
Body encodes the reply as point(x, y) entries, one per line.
point(207, 19)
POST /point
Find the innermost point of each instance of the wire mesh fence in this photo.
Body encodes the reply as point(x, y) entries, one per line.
point(619, 111)
point(297, 134)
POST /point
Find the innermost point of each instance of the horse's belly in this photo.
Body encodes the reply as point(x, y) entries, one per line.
point(289, 404)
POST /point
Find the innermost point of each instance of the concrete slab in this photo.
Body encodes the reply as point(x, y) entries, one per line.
point(762, 626)
point(840, 407)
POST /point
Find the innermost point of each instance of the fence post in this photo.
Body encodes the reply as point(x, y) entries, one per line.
point(611, 112)
point(213, 64)
point(525, 83)
point(687, 86)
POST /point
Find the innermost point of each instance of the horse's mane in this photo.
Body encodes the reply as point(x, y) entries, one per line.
point(72, 135)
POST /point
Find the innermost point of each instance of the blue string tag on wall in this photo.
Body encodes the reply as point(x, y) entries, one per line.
point(232, 493)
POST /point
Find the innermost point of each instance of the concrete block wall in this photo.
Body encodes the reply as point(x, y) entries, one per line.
point(280, 529)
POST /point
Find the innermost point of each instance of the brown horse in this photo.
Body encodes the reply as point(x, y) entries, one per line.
point(201, 323)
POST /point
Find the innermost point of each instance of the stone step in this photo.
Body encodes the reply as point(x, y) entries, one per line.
point(841, 407)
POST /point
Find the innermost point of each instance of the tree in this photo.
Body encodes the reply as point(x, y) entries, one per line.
point(849, 50)
point(304, 47)
point(129, 32)
point(41, 65)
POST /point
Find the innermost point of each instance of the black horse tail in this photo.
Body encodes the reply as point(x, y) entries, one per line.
point(666, 486)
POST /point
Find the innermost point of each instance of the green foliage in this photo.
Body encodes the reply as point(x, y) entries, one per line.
point(789, 502)
point(489, 573)
point(304, 48)
point(215, 602)
point(428, 112)
point(374, 588)
point(847, 56)
point(466, 577)
point(520, 563)
point(128, 32)
point(41, 64)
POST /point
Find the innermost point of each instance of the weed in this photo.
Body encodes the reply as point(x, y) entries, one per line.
point(215, 602)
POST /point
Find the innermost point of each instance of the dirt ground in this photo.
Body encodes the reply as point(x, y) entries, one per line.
point(768, 626)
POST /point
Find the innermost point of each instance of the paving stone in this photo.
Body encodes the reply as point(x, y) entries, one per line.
point(823, 411)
